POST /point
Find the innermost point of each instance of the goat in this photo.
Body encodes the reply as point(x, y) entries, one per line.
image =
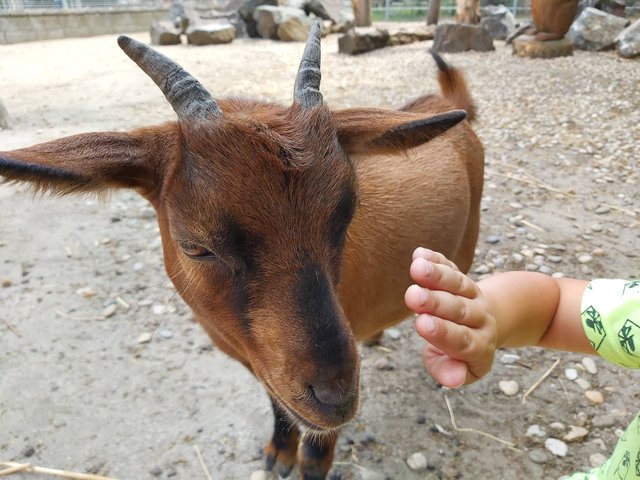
point(288, 230)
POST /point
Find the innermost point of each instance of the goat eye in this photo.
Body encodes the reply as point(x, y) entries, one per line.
point(194, 250)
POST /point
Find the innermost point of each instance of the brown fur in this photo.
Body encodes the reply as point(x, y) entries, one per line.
point(263, 195)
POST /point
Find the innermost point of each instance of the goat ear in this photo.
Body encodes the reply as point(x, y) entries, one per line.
point(366, 130)
point(91, 162)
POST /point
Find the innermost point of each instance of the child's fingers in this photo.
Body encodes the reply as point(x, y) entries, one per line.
point(434, 257)
point(457, 341)
point(450, 307)
point(446, 371)
point(436, 276)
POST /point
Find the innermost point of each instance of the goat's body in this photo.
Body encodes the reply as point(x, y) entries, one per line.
point(417, 198)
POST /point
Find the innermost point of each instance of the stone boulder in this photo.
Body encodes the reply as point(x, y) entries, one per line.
point(346, 21)
point(295, 28)
point(165, 32)
point(211, 33)
point(247, 10)
point(460, 37)
point(403, 36)
point(5, 120)
point(595, 30)
point(361, 40)
point(268, 18)
point(628, 41)
point(499, 20)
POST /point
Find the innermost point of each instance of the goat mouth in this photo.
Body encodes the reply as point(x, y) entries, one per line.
point(303, 422)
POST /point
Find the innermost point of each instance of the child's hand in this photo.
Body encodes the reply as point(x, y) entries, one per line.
point(454, 318)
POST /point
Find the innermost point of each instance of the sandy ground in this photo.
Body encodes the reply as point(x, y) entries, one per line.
point(79, 392)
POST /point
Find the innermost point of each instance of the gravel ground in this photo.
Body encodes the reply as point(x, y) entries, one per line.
point(103, 370)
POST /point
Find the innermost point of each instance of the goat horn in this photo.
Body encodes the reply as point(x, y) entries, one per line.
point(187, 96)
point(307, 87)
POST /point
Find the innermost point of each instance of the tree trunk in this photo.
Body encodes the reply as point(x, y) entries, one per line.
point(434, 12)
point(362, 12)
point(468, 11)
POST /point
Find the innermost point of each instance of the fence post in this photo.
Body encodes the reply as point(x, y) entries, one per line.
point(515, 7)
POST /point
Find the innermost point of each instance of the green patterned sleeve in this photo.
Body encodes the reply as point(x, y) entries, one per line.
point(611, 320)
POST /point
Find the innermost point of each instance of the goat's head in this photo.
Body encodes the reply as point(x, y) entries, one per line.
point(253, 201)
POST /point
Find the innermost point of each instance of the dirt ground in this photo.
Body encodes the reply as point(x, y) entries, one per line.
point(80, 392)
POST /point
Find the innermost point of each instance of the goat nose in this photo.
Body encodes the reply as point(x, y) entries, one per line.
point(331, 395)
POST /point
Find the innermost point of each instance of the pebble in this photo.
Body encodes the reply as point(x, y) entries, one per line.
point(556, 447)
point(393, 333)
point(509, 358)
point(417, 462)
point(86, 292)
point(571, 373)
point(109, 311)
point(144, 337)
point(156, 471)
point(158, 309)
point(28, 451)
point(603, 421)
point(492, 239)
point(554, 258)
point(544, 269)
point(557, 426)
point(6, 282)
point(584, 258)
point(482, 269)
point(581, 419)
point(590, 365)
point(536, 431)
point(166, 333)
point(259, 475)
point(575, 434)
point(602, 210)
point(509, 387)
point(594, 396)
point(583, 384)
point(597, 459)
point(138, 266)
point(537, 455)
point(383, 363)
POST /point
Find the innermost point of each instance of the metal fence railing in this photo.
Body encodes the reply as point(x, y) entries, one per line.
point(20, 5)
point(417, 9)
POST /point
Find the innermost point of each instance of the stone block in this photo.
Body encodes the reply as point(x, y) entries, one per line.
point(211, 34)
point(165, 33)
point(361, 40)
point(460, 37)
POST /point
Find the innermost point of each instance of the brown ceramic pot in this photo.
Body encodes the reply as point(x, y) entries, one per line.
point(553, 16)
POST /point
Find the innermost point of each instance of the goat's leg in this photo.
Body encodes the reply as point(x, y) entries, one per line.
point(281, 451)
point(315, 455)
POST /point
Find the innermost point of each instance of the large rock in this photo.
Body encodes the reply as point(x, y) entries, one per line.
point(165, 33)
point(247, 10)
point(499, 20)
point(5, 120)
point(295, 28)
point(361, 40)
point(595, 30)
point(628, 41)
point(211, 33)
point(460, 37)
point(346, 21)
point(268, 19)
point(403, 36)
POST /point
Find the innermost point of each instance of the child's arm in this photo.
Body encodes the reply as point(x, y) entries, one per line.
point(464, 322)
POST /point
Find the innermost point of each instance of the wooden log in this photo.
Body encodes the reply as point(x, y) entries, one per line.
point(527, 46)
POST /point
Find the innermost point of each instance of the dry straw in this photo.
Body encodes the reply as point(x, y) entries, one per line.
point(14, 467)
